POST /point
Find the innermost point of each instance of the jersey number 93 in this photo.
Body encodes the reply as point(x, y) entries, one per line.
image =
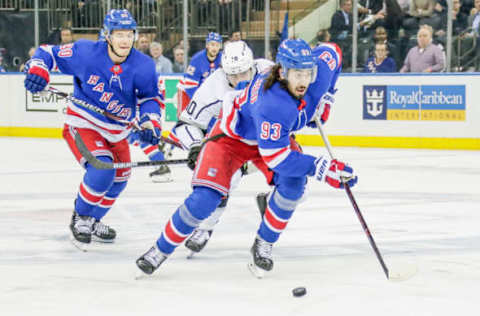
point(270, 131)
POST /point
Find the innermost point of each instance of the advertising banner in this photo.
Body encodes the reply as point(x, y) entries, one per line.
point(414, 102)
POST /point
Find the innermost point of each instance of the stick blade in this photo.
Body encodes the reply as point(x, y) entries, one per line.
point(403, 272)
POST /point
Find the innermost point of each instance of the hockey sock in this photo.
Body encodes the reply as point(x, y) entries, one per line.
point(109, 198)
point(152, 151)
point(281, 204)
point(93, 187)
point(214, 218)
point(198, 206)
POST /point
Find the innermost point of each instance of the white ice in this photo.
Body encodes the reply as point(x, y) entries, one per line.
point(422, 207)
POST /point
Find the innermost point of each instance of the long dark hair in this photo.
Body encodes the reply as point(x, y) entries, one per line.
point(273, 77)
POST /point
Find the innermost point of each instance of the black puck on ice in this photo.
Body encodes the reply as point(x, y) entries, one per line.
point(299, 291)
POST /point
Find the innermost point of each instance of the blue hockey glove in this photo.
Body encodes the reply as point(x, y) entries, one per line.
point(37, 76)
point(151, 129)
point(334, 172)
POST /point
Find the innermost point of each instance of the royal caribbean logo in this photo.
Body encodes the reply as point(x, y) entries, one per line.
point(414, 102)
point(374, 103)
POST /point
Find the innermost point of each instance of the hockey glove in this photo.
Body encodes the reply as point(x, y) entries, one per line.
point(334, 172)
point(192, 156)
point(323, 109)
point(37, 76)
point(150, 128)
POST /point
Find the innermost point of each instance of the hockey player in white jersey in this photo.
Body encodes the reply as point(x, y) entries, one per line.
point(238, 68)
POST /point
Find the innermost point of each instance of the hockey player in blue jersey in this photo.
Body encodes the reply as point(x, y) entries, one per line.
point(256, 123)
point(202, 65)
point(113, 76)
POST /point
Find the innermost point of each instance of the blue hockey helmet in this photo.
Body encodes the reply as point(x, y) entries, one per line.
point(119, 19)
point(213, 37)
point(295, 53)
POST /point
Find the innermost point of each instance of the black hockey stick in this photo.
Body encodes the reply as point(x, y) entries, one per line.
point(92, 160)
point(397, 276)
point(105, 113)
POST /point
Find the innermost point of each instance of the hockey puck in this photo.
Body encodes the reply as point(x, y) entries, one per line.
point(299, 291)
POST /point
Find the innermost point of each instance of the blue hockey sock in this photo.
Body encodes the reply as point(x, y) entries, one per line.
point(280, 207)
point(109, 198)
point(95, 184)
point(198, 206)
point(152, 151)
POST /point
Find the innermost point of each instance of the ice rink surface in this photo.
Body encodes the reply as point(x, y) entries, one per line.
point(422, 206)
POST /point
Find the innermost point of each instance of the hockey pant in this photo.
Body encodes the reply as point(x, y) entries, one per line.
point(213, 219)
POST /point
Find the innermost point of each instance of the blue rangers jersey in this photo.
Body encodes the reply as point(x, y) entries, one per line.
point(267, 118)
point(328, 58)
point(198, 70)
point(98, 81)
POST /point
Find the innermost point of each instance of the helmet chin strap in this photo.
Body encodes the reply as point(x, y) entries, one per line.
point(113, 50)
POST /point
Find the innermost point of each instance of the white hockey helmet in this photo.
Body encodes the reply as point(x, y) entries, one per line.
point(237, 58)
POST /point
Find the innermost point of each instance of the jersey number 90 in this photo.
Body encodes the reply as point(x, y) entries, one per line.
point(270, 131)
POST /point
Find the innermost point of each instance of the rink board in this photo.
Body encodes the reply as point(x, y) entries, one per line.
point(392, 111)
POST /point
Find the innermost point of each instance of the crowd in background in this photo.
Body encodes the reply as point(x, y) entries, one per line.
point(393, 35)
point(407, 35)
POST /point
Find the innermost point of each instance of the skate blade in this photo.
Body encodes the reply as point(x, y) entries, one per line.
point(191, 255)
point(79, 245)
point(256, 271)
point(162, 179)
point(102, 241)
point(140, 275)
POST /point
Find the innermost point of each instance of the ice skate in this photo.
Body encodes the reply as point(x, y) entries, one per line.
point(161, 175)
point(150, 261)
point(81, 228)
point(262, 258)
point(103, 233)
point(197, 241)
point(261, 199)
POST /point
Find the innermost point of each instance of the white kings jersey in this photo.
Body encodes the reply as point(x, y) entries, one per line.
point(205, 106)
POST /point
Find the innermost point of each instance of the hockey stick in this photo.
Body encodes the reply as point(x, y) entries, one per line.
point(91, 159)
point(105, 113)
point(391, 276)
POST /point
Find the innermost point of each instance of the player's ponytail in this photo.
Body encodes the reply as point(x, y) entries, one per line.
point(273, 77)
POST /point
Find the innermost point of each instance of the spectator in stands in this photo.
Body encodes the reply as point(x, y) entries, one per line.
point(381, 36)
point(421, 12)
point(235, 35)
point(162, 64)
point(380, 62)
point(143, 44)
point(469, 39)
point(474, 18)
point(371, 14)
point(1, 62)
point(323, 36)
point(86, 13)
point(31, 51)
point(459, 23)
point(394, 15)
point(341, 22)
point(341, 30)
point(66, 35)
point(178, 58)
point(404, 5)
point(426, 56)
